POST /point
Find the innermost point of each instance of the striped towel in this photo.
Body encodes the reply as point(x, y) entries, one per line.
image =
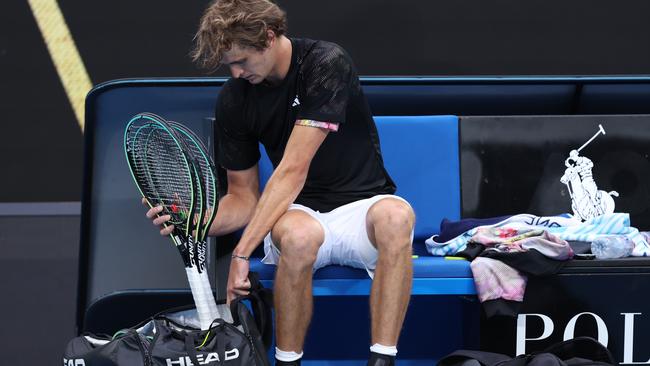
point(588, 231)
point(608, 224)
point(523, 221)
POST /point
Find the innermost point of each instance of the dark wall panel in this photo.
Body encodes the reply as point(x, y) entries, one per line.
point(41, 141)
point(123, 39)
point(473, 37)
point(39, 287)
point(410, 37)
point(512, 165)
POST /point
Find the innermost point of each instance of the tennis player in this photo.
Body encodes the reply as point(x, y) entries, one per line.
point(329, 200)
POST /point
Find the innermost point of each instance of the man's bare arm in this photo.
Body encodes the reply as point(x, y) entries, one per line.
point(237, 206)
point(283, 187)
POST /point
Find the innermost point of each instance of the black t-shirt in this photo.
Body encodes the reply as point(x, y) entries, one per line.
point(321, 85)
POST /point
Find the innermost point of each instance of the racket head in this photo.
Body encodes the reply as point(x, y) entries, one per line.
point(206, 188)
point(208, 175)
point(160, 169)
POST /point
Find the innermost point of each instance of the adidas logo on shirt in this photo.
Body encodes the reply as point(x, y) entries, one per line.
point(296, 102)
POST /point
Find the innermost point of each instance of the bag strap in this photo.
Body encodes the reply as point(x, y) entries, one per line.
point(190, 348)
point(261, 300)
point(190, 341)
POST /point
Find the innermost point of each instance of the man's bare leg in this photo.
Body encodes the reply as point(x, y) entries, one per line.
point(390, 223)
point(299, 236)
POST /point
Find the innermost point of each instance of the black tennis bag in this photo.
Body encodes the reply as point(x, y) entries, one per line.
point(580, 351)
point(173, 338)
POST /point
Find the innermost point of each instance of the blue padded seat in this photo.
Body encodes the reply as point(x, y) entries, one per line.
point(421, 155)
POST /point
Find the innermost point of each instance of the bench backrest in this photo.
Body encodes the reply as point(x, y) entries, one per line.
point(421, 155)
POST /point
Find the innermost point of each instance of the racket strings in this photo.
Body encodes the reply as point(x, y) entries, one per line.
point(208, 185)
point(197, 150)
point(158, 163)
point(184, 184)
point(198, 250)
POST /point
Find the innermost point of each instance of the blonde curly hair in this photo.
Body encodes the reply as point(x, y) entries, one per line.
point(241, 22)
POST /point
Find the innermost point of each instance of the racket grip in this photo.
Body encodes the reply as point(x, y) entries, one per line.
point(207, 289)
point(201, 298)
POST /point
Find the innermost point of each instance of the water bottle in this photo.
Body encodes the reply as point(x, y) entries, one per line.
point(612, 246)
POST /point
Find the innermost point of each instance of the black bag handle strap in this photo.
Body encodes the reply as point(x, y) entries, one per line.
point(191, 338)
point(261, 300)
point(190, 341)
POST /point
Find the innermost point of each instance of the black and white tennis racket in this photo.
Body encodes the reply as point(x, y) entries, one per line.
point(208, 182)
point(167, 174)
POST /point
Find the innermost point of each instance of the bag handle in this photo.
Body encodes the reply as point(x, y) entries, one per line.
point(190, 348)
point(261, 300)
point(190, 341)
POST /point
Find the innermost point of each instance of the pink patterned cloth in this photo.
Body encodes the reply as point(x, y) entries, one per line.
point(496, 280)
point(509, 239)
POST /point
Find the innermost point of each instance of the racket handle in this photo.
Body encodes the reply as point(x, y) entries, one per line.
point(201, 298)
point(207, 289)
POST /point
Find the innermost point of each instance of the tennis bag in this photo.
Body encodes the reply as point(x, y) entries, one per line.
point(580, 351)
point(173, 338)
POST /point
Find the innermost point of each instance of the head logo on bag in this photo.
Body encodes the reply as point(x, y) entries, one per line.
point(203, 359)
point(74, 362)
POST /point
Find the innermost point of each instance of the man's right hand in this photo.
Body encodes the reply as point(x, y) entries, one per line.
point(153, 214)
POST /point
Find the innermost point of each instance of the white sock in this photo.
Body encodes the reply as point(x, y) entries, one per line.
point(384, 350)
point(287, 356)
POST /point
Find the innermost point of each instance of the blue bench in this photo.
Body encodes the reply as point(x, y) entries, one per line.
point(421, 155)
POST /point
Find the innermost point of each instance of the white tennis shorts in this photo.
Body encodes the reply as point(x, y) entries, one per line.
point(346, 238)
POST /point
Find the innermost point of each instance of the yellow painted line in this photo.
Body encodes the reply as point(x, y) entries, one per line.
point(63, 51)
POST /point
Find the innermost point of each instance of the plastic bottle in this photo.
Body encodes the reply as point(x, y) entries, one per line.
point(612, 246)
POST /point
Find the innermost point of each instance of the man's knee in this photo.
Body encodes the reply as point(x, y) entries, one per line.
point(394, 220)
point(298, 236)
